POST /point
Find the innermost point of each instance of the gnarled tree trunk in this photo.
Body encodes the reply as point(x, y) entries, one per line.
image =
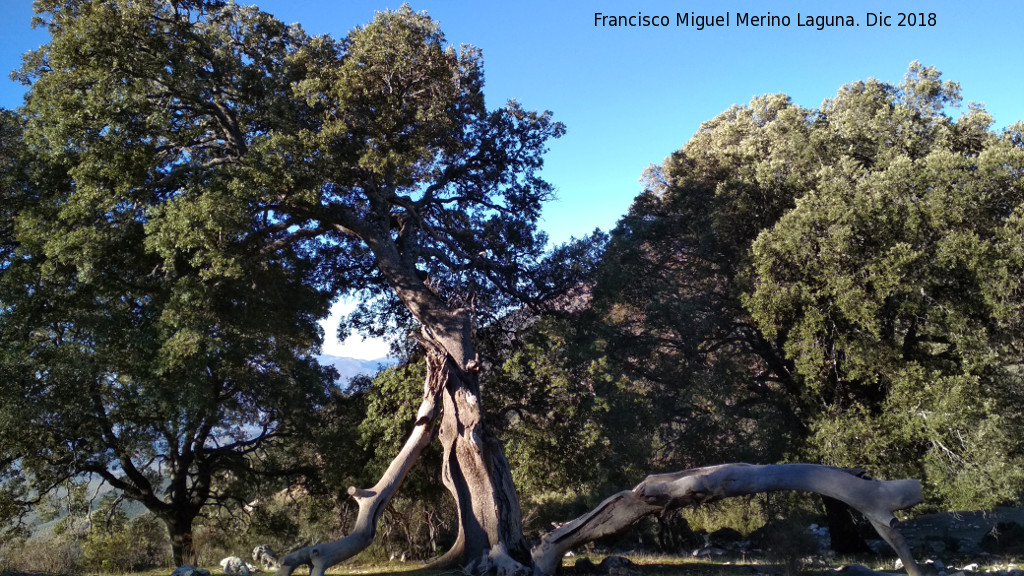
point(475, 470)
point(479, 477)
point(877, 500)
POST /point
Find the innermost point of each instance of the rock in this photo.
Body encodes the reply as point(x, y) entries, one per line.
point(264, 556)
point(618, 566)
point(235, 566)
point(188, 570)
point(970, 567)
point(616, 562)
point(1004, 538)
point(898, 564)
point(584, 566)
point(707, 552)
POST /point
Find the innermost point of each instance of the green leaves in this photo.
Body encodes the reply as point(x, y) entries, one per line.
point(887, 286)
point(149, 325)
point(857, 266)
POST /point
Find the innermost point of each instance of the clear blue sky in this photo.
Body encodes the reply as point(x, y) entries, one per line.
point(631, 96)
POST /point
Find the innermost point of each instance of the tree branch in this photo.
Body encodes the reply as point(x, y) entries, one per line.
point(877, 500)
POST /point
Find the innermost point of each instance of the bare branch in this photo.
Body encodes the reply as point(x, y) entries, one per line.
point(877, 500)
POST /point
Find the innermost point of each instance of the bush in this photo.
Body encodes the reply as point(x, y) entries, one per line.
point(51, 554)
point(127, 545)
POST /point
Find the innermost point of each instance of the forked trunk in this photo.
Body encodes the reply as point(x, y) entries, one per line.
point(475, 470)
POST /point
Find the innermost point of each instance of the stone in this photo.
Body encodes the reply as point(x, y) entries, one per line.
point(264, 556)
point(235, 566)
point(618, 566)
point(616, 562)
point(188, 570)
point(584, 566)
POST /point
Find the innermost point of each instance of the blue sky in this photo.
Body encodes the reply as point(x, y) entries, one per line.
point(631, 96)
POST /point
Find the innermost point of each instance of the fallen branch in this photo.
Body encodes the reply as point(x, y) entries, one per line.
point(876, 500)
point(373, 501)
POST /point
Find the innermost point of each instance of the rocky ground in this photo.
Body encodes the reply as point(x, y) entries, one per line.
point(947, 544)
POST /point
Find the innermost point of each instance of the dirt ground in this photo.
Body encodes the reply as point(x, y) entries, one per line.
point(963, 530)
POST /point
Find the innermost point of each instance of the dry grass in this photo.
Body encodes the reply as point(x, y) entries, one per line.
point(648, 565)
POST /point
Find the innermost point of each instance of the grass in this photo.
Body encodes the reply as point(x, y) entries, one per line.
point(647, 564)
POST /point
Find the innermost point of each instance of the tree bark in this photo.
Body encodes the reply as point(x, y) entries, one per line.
point(877, 500)
point(179, 529)
point(476, 472)
point(474, 469)
point(373, 501)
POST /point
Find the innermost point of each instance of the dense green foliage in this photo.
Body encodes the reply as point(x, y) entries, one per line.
point(840, 284)
point(895, 288)
point(147, 342)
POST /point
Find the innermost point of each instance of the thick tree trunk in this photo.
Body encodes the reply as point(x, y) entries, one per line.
point(479, 477)
point(875, 499)
point(179, 529)
point(475, 470)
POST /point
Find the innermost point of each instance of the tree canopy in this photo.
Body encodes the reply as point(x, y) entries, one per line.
point(856, 265)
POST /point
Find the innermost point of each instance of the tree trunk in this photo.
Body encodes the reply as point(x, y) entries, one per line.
point(179, 529)
point(875, 499)
point(476, 472)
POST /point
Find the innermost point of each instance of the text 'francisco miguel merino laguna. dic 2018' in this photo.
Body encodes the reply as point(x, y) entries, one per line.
point(746, 19)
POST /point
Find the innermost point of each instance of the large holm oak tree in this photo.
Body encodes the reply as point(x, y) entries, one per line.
point(374, 158)
point(171, 381)
point(855, 266)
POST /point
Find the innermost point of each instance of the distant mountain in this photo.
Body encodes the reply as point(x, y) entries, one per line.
point(350, 367)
